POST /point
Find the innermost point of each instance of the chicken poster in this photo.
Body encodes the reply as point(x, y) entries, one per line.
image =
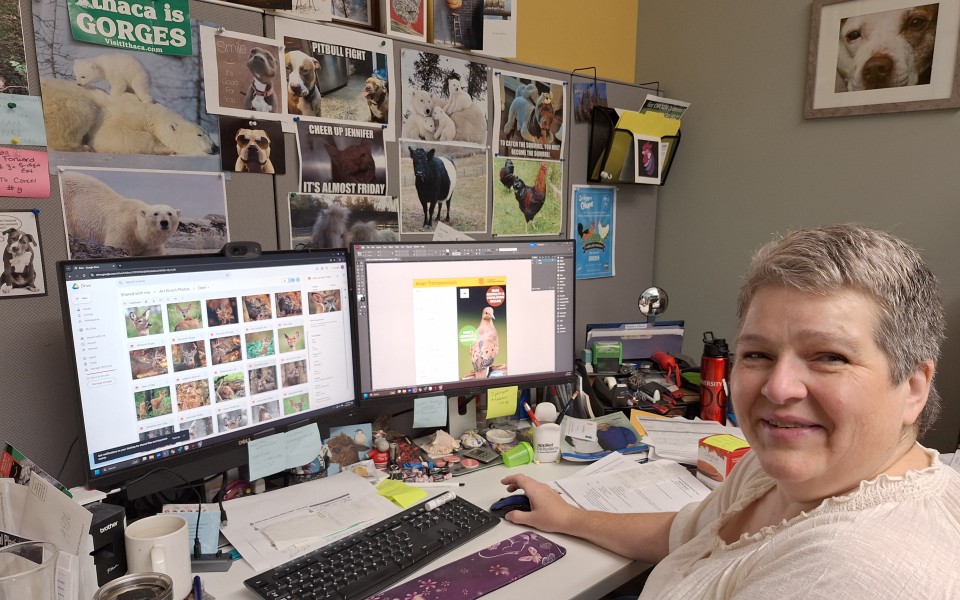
point(529, 116)
point(527, 200)
point(482, 327)
point(594, 212)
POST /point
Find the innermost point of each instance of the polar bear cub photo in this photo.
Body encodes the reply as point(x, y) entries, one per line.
point(96, 213)
point(121, 70)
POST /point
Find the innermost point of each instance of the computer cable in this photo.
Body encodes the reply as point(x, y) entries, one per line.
point(67, 457)
point(196, 537)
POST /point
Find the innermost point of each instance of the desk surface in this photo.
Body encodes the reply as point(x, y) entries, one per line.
point(585, 572)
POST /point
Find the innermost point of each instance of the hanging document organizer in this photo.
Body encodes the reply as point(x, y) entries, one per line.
point(631, 147)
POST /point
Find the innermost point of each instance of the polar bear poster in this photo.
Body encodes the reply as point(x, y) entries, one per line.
point(146, 108)
point(129, 212)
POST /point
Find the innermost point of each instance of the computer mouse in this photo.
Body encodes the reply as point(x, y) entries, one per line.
point(504, 505)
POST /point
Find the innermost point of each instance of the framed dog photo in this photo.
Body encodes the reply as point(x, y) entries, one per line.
point(22, 256)
point(882, 56)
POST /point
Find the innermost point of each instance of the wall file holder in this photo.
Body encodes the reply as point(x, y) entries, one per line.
point(612, 154)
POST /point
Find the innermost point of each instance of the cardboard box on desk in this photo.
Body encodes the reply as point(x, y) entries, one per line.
point(716, 457)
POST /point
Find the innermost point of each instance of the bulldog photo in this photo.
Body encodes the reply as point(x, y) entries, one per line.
point(253, 151)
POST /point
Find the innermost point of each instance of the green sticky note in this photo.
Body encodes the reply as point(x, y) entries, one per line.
point(502, 402)
point(399, 493)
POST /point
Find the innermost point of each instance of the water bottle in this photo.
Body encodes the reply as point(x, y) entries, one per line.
point(714, 372)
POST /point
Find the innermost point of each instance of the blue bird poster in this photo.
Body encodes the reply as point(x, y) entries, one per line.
point(594, 213)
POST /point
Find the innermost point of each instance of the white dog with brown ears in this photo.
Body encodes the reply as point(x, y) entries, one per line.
point(887, 49)
point(303, 93)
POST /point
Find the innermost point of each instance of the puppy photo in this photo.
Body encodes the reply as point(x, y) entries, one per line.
point(263, 68)
point(303, 93)
point(22, 266)
point(887, 49)
point(375, 93)
point(253, 151)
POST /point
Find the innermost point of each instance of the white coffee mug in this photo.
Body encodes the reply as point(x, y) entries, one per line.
point(160, 544)
point(546, 443)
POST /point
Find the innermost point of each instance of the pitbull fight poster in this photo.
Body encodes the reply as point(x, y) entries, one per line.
point(341, 159)
point(339, 75)
point(243, 74)
point(22, 258)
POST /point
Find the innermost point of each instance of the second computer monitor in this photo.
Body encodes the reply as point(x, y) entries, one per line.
point(456, 318)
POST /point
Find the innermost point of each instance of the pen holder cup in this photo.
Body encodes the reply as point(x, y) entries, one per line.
point(546, 441)
point(27, 570)
point(520, 454)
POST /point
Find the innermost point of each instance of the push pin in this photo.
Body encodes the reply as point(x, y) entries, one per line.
point(11, 104)
point(220, 30)
point(296, 119)
point(252, 123)
point(15, 141)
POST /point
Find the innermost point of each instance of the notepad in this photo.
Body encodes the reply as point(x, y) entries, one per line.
point(483, 572)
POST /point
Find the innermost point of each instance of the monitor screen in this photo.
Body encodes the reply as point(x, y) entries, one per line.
point(180, 358)
point(461, 317)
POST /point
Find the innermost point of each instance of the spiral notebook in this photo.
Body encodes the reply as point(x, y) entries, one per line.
point(483, 572)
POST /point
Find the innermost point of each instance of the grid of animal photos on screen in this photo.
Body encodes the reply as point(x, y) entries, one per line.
point(529, 117)
point(443, 136)
point(237, 359)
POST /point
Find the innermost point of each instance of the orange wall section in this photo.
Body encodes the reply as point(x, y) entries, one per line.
point(568, 34)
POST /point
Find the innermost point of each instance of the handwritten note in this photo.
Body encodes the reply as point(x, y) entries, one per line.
point(303, 445)
point(501, 402)
point(24, 173)
point(267, 455)
point(430, 412)
point(21, 120)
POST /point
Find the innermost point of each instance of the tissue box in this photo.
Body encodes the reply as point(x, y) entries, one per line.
point(716, 456)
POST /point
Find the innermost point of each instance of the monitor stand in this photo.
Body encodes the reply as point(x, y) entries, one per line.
point(460, 423)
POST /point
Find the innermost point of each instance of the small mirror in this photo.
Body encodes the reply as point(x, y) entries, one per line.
point(653, 303)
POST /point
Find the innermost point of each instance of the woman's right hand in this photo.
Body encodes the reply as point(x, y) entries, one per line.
point(548, 511)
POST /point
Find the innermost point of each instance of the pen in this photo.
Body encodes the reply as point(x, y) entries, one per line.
point(533, 417)
point(452, 484)
point(197, 588)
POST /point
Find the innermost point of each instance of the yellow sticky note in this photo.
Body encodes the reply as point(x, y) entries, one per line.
point(399, 493)
point(502, 402)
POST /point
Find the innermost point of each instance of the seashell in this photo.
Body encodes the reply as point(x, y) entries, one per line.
point(442, 443)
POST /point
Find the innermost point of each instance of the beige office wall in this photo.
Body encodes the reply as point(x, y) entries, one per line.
point(750, 166)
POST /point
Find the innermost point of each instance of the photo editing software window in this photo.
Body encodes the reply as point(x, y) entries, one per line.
point(449, 316)
point(174, 354)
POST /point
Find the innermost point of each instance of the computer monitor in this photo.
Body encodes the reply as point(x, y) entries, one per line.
point(457, 318)
point(180, 360)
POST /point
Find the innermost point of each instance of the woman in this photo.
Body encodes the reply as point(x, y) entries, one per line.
point(839, 332)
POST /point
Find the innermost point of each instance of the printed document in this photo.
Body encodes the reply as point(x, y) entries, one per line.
point(660, 486)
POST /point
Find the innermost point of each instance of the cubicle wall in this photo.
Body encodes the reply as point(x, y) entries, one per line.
point(38, 409)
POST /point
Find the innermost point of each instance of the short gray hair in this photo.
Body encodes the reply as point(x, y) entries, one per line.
point(911, 323)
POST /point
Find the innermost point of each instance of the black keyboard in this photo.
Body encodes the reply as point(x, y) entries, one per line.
point(370, 560)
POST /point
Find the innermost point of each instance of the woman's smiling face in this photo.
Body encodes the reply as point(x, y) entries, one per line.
point(813, 393)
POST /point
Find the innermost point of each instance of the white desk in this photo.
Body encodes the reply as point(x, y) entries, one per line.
point(586, 572)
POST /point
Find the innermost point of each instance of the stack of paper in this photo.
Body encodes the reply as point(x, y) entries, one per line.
point(678, 438)
point(624, 486)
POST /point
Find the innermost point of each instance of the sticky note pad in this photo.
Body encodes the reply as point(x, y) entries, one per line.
point(400, 493)
point(430, 412)
point(267, 455)
point(502, 402)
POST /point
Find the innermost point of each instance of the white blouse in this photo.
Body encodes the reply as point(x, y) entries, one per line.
point(893, 538)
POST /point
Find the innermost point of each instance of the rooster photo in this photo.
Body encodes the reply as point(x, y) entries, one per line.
point(440, 182)
point(408, 19)
point(482, 328)
point(527, 199)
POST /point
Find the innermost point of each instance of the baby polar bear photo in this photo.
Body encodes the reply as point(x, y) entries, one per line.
point(122, 72)
point(96, 213)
